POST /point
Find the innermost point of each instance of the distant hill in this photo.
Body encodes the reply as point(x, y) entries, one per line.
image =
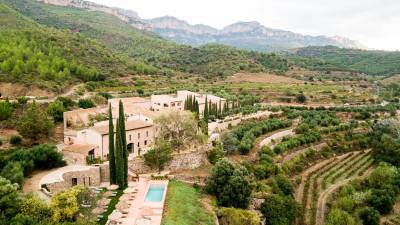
point(333, 58)
point(144, 46)
point(245, 35)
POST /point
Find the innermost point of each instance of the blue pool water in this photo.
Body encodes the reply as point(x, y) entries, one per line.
point(155, 193)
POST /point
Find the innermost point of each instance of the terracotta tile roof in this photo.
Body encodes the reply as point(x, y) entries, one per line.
point(129, 125)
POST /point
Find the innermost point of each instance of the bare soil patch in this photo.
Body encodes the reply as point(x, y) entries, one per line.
point(14, 90)
point(262, 78)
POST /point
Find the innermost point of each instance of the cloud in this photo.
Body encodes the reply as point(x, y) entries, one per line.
point(375, 23)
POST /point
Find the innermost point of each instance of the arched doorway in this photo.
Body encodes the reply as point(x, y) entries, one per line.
point(131, 147)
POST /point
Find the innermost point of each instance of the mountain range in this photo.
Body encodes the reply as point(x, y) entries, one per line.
point(244, 35)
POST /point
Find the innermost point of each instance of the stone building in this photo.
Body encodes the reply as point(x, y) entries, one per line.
point(86, 130)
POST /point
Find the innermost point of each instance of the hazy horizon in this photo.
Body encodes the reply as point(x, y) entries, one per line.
point(374, 23)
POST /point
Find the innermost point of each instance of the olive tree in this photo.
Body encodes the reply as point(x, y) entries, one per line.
point(34, 123)
point(178, 128)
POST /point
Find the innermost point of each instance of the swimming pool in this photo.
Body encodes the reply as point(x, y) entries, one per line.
point(155, 193)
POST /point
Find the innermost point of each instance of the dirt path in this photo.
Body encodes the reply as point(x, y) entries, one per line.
point(208, 206)
point(276, 136)
point(32, 184)
point(69, 91)
point(293, 154)
point(324, 196)
point(310, 170)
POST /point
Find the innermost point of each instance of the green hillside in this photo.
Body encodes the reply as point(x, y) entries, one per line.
point(10, 19)
point(334, 58)
point(33, 54)
point(52, 59)
point(146, 47)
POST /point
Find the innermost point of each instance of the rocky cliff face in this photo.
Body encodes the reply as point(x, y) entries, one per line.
point(125, 15)
point(245, 35)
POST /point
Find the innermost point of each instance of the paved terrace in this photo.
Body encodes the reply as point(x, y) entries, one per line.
point(138, 211)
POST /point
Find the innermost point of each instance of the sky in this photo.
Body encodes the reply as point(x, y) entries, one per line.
point(374, 23)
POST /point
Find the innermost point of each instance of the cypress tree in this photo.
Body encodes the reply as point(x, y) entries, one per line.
point(118, 157)
point(111, 148)
point(205, 112)
point(124, 150)
point(187, 103)
point(210, 108)
point(194, 104)
point(196, 109)
point(190, 103)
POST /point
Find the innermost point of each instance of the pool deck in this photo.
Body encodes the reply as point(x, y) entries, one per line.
point(142, 212)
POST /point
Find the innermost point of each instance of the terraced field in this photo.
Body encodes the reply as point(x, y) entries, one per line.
point(321, 180)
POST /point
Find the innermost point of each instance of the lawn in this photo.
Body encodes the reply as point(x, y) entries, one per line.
point(183, 206)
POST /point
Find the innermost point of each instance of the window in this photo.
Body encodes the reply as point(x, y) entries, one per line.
point(91, 154)
point(172, 104)
point(138, 144)
point(138, 135)
point(130, 137)
point(179, 104)
point(147, 133)
point(74, 181)
point(145, 142)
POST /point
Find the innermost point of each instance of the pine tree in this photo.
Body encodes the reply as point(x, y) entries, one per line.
point(111, 149)
point(124, 150)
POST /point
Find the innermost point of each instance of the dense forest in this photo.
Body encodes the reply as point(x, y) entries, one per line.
point(51, 58)
point(334, 58)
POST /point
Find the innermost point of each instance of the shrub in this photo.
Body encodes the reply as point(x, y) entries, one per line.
point(279, 210)
point(13, 171)
point(345, 203)
point(284, 185)
point(339, 217)
point(232, 216)
point(56, 109)
point(229, 143)
point(105, 95)
point(22, 100)
point(382, 200)
point(6, 110)
point(232, 186)
point(46, 157)
point(369, 216)
point(86, 103)
point(215, 154)
point(34, 123)
point(15, 140)
point(301, 98)
point(67, 102)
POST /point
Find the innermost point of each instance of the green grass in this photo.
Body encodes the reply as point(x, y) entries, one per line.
point(111, 207)
point(184, 207)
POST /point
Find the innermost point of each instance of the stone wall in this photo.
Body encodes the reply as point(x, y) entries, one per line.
point(180, 161)
point(89, 177)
